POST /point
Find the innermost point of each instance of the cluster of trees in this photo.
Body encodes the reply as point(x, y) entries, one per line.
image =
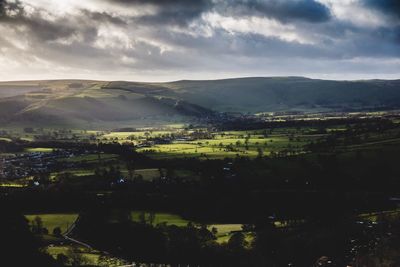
point(143, 241)
point(18, 245)
point(342, 239)
point(11, 147)
point(38, 229)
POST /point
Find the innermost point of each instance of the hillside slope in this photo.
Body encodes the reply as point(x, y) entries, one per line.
point(288, 93)
point(75, 102)
point(79, 103)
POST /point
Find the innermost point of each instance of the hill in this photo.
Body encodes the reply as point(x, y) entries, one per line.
point(289, 93)
point(87, 103)
point(77, 102)
point(277, 93)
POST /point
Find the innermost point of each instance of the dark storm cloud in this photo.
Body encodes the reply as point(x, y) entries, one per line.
point(390, 7)
point(282, 10)
point(184, 11)
point(46, 31)
point(14, 15)
point(103, 17)
point(7, 7)
point(179, 12)
point(2, 11)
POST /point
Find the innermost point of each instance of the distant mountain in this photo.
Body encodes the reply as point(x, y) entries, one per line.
point(76, 102)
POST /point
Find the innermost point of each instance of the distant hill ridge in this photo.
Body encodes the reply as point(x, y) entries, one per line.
point(77, 102)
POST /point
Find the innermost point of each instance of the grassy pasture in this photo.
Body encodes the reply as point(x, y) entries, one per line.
point(224, 231)
point(374, 216)
point(63, 220)
point(161, 217)
point(90, 257)
point(11, 185)
point(39, 149)
point(229, 144)
point(51, 221)
point(76, 172)
point(137, 134)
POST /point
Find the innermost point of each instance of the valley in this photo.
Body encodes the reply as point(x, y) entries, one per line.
point(236, 178)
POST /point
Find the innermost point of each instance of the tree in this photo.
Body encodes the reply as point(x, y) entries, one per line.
point(152, 218)
point(237, 241)
point(142, 217)
point(170, 173)
point(246, 142)
point(75, 258)
point(62, 259)
point(248, 227)
point(131, 169)
point(37, 225)
point(19, 247)
point(106, 261)
point(45, 231)
point(57, 231)
point(260, 152)
point(214, 231)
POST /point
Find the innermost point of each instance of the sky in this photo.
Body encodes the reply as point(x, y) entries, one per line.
point(164, 40)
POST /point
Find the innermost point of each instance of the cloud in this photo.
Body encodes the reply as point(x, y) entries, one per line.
point(182, 12)
point(390, 7)
point(8, 9)
point(179, 12)
point(36, 22)
point(282, 10)
point(103, 17)
point(151, 39)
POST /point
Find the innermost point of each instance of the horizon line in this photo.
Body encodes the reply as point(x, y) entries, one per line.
point(181, 80)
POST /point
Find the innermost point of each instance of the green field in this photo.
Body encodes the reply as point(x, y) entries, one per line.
point(135, 137)
point(51, 221)
point(74, 172)
point(160, 217)
point(39, 149)
point(89, 256)
point(375, 216)
point(224, 231)
point(11, 184)
point(231, 144)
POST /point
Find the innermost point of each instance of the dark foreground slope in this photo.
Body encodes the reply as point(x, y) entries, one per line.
point(74, 102)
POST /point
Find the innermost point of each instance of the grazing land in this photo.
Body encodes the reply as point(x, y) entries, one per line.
point(51, 221)
point(208, 188)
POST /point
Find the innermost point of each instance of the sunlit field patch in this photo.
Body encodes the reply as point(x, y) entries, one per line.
point(39, 149)
point(51, 221)
point(161, 217)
